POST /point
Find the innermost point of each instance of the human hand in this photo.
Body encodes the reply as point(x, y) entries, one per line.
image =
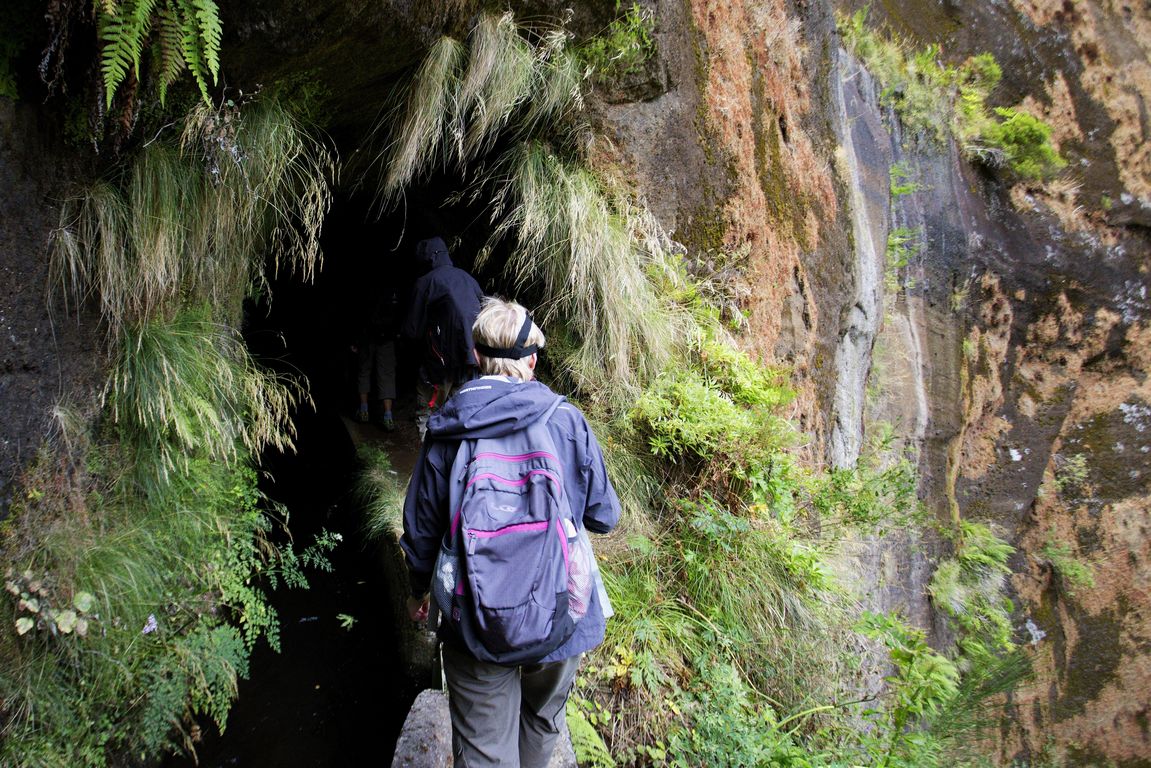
point(418, 608)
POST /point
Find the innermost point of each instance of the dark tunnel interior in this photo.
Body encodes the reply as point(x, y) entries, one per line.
point(336, 693)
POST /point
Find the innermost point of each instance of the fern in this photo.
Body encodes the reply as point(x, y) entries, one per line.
point(170, 54)
point(182, 33)
point(192, 55)
point(123, 33)
point(208, 20)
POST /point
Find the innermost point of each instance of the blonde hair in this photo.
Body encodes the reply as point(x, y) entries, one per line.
point(498, 325)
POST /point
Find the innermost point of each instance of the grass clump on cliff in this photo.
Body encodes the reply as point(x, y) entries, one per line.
point(142, 549)
point(624, 48)
point(941, 100)
point(588, 254)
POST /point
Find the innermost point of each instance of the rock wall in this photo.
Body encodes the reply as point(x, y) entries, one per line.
point(1017, 342)
point(1030, 302)
point(47, 358)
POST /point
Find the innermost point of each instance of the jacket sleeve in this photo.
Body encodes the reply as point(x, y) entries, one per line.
point(601, 510)
point(425, 516)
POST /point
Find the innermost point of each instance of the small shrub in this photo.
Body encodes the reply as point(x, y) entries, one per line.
point(1025, 143)
point(1075, 573)
point(969, 588)
point(1071, 472)
point(903, 181)
point(624, 49)
point(923, 684)
point(730, 725)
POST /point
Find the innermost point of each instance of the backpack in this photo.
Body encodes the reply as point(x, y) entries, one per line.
point(513, 575)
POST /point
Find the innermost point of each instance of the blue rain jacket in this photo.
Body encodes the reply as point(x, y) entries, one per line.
point(490, 407)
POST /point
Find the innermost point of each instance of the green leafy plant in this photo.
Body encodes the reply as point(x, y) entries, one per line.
point(903, 245)
point(969, 588)
point(903, 180)
point(586, 252)
point(188, 387)
point(1023, 143)
point(184, 34)
point(1075, 573)
point(582, 717)
point(922, 685)
point(1071, 472)
point(730, 725)
point(940, 100)
point(624, 48)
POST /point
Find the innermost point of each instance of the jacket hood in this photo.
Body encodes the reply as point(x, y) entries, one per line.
point(491, 407)
point(432, 253)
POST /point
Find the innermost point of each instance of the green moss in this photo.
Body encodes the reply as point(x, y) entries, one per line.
point(705, 229)
point(783, 205)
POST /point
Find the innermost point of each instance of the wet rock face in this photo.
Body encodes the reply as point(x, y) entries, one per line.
point(46, 357)
point(1032, 310)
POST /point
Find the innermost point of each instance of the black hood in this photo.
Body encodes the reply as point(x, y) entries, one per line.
point(432, 253)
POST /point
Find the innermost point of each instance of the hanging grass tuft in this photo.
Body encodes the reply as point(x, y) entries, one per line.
point(592, 255)
point(188, 387)
point(584, 251)
point(420, 136)
point(193, 223)
point(499, 78)
point(507, 80)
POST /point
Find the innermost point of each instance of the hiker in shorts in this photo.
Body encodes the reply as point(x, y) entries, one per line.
point(507, 714)
point(444, 304)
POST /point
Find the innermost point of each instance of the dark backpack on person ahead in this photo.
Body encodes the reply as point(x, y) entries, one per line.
point(513, 576)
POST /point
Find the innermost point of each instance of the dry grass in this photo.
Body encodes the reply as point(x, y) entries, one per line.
point(193, 224)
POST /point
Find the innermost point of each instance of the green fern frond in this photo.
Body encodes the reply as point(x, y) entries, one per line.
point(187, 34)
point(190, 45)
point(169, 50)
point(208, 18)
point(123, 34)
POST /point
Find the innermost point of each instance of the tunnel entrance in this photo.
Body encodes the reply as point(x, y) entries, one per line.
point(337, 691)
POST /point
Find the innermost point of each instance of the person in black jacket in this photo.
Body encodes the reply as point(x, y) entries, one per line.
point(445, 302)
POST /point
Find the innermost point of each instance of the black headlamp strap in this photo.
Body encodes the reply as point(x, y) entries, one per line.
point(516, 352)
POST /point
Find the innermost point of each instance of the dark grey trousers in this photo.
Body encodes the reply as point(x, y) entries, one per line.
point(505, 716)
